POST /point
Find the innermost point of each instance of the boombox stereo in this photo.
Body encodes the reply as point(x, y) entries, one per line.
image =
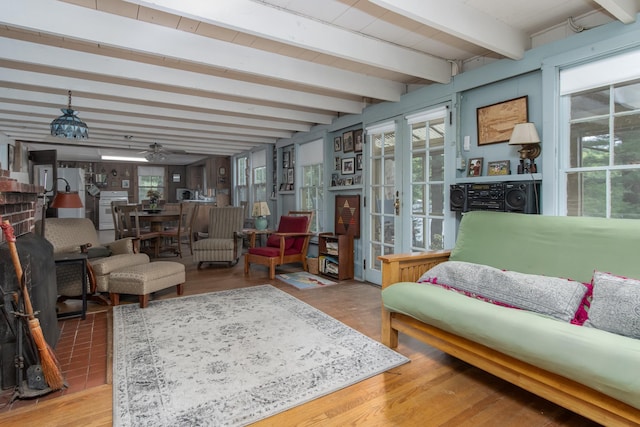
point(497, 196)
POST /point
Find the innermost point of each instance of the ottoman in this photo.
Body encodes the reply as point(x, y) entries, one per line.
point(144, 279)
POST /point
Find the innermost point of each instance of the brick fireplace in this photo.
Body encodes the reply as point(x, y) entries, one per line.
point(19, 204)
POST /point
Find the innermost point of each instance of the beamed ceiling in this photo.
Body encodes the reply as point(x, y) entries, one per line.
point(221, 77)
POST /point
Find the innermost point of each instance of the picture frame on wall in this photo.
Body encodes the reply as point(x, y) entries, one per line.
point(348, 166)
point(125, 183)
point(499, 167)
point(496, 122)
point(337, 144)
point(475, 166)
point(337, 163)
point(290, 176)
point(347, 141)
point(285, 159)
point(359, 162)
point(358, 141)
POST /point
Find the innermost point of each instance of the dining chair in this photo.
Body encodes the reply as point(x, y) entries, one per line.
point(116, 226)
point(173, 234)
point(129, 223)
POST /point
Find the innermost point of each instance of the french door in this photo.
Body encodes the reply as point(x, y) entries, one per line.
point(405, 208)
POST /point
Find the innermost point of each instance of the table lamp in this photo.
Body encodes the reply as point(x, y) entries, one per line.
point(525, 134)
point(260, 212)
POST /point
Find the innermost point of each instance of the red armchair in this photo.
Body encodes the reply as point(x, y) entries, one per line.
point(287, 245)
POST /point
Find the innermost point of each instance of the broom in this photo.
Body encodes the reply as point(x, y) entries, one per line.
point(48, 361)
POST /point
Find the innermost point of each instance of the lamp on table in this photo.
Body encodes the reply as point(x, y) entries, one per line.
point(525, 134)
point(260, 212)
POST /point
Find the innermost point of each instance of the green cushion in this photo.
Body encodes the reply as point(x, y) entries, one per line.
point(568, 247)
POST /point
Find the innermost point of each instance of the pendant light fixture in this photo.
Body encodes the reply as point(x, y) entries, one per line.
point(68, 125)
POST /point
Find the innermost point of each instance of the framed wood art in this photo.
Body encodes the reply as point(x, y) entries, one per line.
point(500, 167)
point(475, 167)
point(347, 217)
point(496, 122)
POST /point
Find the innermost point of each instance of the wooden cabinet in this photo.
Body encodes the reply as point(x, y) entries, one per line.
point(335, 255)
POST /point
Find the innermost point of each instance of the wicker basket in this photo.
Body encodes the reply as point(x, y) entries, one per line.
point(312, 265)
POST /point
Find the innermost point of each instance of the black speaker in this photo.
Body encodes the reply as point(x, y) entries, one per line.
point(522, 197)
point(458, 197)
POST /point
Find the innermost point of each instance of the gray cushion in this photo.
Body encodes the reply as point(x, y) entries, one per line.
point(552, 296)
point(616, 305)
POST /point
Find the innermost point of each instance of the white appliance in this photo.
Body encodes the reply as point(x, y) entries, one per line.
point(75, 177)
point(105, 218)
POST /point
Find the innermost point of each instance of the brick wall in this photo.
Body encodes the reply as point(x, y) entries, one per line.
point(18, 204)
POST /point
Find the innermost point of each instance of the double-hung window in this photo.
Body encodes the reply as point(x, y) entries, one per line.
point(602, 151)
point(310, 159)
point(150, 178)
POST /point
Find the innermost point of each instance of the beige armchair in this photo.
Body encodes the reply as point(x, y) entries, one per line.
point(70, 235)
point(224, 241)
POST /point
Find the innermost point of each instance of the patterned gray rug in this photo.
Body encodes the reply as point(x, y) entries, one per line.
point(231, 358)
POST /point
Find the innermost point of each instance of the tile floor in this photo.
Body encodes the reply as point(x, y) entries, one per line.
point(82, 351)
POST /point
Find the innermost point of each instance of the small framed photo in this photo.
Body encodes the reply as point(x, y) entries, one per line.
point(290, 176)
point(500, 167)
point(347, 141)
point(337, 144)
point(348, 181)
point(358, 141)
point(348, 166)
point(125, 183)
point(357, 179)
point(283, 186)
point(359, 161)
point(475, 166)
point(334, 179)
point(285, 159)
point(337, 163)
point(176, 177)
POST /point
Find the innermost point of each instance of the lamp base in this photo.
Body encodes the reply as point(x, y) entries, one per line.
point(260, 223)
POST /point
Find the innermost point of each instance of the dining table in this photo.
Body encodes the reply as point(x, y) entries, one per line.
point(158, 220)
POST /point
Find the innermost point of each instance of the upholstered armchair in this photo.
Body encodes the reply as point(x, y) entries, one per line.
point(287, 245)
point(73, 235)
point(224, 238)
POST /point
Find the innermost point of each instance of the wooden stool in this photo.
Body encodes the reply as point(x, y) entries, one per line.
point(144, 279)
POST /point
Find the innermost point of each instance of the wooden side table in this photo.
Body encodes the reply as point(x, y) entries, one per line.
point(79, 259)
point(253, 232)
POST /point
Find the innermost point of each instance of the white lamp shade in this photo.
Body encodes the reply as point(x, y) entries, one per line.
point(524, 133)
point(260, 209)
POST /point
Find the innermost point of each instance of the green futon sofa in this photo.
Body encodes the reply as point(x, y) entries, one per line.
point(584, 368)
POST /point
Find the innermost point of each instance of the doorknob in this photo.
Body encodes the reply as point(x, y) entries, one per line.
point(396, 204)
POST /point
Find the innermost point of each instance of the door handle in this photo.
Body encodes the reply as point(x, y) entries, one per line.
point(396, 204)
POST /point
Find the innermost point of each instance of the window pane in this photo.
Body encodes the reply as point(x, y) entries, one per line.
point(590, 143)
point(417, 167)
point(587, 194)
point(437, 237)
point(436, 163)
point(625, 97)
point(625, 194)
point(590, 104)
point(418, 199)
point(626, 146)
point(436, 202)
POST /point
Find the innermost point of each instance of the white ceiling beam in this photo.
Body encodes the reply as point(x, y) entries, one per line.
point(80, 23)
point(80, 104)
point(274, 24)
point(462, 21)
point(64, 59)
point(122, 120)
point(624, 11)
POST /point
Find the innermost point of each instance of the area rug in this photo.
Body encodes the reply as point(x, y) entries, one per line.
point(304, 280)
point(233, 357)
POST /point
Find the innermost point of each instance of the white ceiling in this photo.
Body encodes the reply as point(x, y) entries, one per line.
point(220, 77)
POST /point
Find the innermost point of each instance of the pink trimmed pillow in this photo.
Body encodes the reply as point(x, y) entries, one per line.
point(552, 296)
point(615, 306)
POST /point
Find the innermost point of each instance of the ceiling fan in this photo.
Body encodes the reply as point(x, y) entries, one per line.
point(157, 153)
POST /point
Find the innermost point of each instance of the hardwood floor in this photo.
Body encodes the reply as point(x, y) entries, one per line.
point(434, 389)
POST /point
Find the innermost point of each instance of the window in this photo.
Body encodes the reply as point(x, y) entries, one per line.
point(260, 184)
point(312, 188)
point(150, 178)
point(242, 186)
point(602, 149)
